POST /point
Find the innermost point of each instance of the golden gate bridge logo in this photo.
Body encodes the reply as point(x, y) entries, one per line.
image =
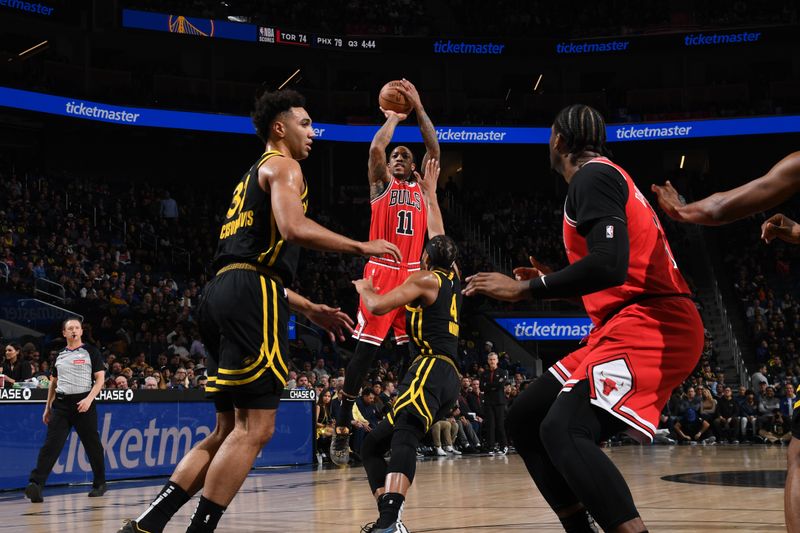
point(181, 24)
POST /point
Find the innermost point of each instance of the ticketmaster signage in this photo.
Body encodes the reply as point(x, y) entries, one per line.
point(546, 329)
point(159, 118)
point(140, 438)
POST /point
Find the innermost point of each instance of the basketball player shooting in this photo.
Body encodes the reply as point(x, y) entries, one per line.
point(646, 340)
point(775, 187)
point(404, 205)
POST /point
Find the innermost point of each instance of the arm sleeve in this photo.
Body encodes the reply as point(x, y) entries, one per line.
point(597, 191)
point(97, 360)
point(605, 266)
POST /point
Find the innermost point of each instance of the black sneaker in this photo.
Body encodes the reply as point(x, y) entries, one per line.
point(34, 492)
point(130, 526)
point(340, 448)
point(96, 492)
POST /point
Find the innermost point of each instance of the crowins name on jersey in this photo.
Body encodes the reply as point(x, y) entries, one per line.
point(434, 329)
point(400, 216)
point(249, 233)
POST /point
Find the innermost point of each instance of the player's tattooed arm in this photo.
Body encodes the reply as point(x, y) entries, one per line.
point(378, 172)
point(776, 186)
point(426, 127)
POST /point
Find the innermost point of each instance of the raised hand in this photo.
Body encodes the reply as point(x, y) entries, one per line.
point(379, 247)
point(780, 227)
point(408, 90)
point(536, 270)
point(430, 179)
point(388, 113)
point(669, 200)
point(332, 320)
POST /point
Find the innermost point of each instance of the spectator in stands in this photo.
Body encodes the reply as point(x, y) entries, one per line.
point(179, 380)
point(775, 429)
point(303, 382)
point(748, 411)
point(121, 382)
point(162, 385)
point(708, 406)
point(759, 376)
point(726, 423)
point(320, 369)
point(444, 432)
point(768, 403)
point(14, 368)
point(691, 428)
point(365, 417)
point(467, 438)
point(324, 420)
point(787, 401)
point(150, 383)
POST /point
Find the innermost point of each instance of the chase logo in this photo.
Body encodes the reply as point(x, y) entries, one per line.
point(15, 394)
point(115, 395)
point(193, 26)
point(302, 394)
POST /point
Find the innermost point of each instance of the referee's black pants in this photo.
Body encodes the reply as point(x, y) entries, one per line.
point(64, 416)
point(494, 417)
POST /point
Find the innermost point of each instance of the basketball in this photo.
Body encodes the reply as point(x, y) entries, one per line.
point(393, 100)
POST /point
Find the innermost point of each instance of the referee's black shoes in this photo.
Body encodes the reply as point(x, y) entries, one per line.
point(34, 492)
point(98, 491)
point(130, 526)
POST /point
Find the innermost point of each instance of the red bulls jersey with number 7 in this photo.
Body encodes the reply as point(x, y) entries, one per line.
point(400, 216)
point(652, 269)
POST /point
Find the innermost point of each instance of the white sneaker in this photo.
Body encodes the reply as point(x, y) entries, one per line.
point(502, 451)
point(450, 449)
point(440, 452)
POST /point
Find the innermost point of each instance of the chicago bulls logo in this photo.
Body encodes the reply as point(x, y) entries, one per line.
point(609, 385)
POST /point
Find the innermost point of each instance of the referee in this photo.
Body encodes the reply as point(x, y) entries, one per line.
point(70, 403)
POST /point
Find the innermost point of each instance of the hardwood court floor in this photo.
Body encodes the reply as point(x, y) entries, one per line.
point(484, 494)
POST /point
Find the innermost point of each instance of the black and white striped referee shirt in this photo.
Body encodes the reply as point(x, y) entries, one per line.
point(75, 369)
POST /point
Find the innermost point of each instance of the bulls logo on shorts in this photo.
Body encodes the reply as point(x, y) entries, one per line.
point(611, 382)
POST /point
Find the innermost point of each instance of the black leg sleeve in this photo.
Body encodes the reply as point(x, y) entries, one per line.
point(523, 423)
point(86, 427)
point(375, 446)
point(354, 375)
point(57, 433)
point(570, 433)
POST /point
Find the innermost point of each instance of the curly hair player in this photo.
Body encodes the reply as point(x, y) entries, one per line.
point(244, 314)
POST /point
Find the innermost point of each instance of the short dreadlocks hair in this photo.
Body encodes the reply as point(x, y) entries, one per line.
point(583, 128)
point(271, 104)
point(442, 251)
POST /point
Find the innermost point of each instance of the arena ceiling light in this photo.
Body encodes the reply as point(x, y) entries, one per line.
point(30, 52)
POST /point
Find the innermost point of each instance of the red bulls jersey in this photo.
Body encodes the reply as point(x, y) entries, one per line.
point(652, 270)
point(400, 216)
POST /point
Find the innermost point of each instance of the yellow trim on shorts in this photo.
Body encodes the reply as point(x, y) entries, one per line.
point(796, 404)
point(417, 390)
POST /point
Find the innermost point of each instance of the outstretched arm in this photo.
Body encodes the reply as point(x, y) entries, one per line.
point(425, 125)
point(776, 186)
point(378, 173)
point(422, 285)
point(428, 183)
point(284, 181)
point(331, 319)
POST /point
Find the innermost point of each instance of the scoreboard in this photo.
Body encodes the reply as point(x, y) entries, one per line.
point(271, 35)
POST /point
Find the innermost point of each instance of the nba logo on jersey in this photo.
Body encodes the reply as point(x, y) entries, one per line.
point(611, 381)
point(609, 232)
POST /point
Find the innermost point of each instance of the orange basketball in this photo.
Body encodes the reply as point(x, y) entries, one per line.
point(393, 100)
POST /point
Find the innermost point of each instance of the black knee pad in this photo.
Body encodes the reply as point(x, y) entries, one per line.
point(408, 432)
